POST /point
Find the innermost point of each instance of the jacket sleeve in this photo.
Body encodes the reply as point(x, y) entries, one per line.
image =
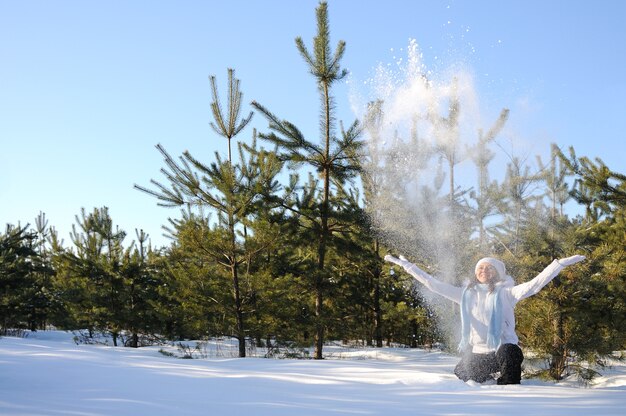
point(533, 286)
point(437, 286)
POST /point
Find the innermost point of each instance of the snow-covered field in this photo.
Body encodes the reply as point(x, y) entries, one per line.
point(46, 373)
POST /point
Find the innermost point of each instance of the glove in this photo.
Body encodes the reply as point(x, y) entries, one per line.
point(568, 261)
point(402, 262)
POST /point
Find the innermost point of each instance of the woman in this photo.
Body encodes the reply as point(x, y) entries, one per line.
point(488, 338)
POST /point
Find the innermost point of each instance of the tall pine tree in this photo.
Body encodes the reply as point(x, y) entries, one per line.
point(226, 189)
point(335, 159)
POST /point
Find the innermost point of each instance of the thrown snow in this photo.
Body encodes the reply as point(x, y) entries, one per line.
point(48, 374)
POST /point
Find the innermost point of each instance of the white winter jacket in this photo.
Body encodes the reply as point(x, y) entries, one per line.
point(481, 307)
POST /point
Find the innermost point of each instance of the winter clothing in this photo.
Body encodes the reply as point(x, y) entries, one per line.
point(479, 304)
point(488, 337)
point(480, 367)
point(497, 264)
point(494, 308)
point(510, 357)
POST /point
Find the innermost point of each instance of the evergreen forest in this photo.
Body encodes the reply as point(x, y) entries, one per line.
point(282, 249)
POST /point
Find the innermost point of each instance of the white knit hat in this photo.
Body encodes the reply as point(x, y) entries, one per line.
point(497, 264)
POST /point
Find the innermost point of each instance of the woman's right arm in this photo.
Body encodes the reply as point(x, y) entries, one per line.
point(437, 286)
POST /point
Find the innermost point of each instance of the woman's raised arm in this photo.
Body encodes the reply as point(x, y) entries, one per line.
point(437, 286)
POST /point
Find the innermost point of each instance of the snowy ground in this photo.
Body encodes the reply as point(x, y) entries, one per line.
point(48, 374)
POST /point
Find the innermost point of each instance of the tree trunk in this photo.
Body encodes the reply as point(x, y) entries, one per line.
point(559, 351)
point(319, 328)
point(241, 337)
point(414, 327)
point(378, 316)
point(319, 299)
point(321, 252)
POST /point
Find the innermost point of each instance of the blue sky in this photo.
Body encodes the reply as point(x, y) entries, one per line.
point(87, 89)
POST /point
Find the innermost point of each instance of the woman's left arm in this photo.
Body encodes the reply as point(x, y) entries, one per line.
point(533, 286)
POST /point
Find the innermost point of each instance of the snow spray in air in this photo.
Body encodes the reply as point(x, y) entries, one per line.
point(421, 132)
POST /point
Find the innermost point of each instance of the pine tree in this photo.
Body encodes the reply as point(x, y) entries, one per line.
point(334, 160)
point(487, 195)
point(201, 288)
point(18, 261)
point(373, 185)
point(518, 192)
point(446, 135)
point(227, 189)
point(142, 288)
point(42, 297)
point(104, 286)
point(603, 192)
point(577, 320)
point(393, 303)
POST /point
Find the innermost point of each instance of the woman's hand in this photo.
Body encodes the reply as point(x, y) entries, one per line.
point(402, 262)
point(568, 261)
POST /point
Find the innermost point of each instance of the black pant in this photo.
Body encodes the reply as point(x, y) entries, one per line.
point(480, 367)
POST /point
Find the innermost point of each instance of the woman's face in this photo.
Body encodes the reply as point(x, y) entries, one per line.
point(485, 272)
